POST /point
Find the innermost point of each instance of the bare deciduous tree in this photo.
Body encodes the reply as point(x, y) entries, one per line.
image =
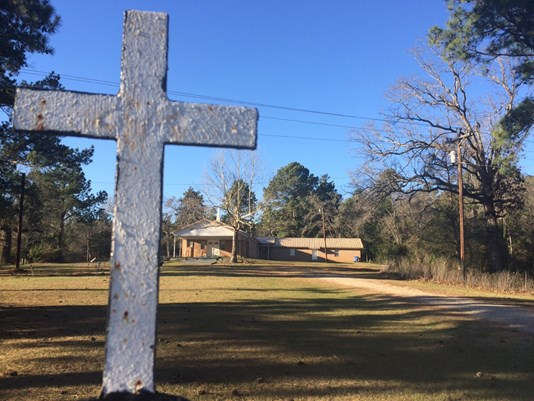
point(455, 101)
point(229, 187)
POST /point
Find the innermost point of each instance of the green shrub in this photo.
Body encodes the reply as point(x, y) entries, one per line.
point(43, 253)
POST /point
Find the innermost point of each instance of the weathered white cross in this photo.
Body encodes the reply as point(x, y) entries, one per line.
point(142, 120)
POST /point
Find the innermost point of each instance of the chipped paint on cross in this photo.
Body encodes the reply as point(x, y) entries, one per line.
point(142, 120)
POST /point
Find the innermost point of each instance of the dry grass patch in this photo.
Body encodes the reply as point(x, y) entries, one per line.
point(260, 333)
point(444, 271)
point(458, 290)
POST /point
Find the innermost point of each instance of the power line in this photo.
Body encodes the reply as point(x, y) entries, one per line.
point(70, 77)
point(114, 84)
point(235, 101)
point(257, 182)
point(247, 102)
point(311, 122)
point(307, 138)
point(274, 106)
point(281, 107)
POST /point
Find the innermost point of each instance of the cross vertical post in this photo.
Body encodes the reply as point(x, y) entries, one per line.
point(142, 120)
point(130, 343)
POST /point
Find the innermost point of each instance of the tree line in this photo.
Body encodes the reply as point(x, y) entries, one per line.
point(391, 223)
point(63, 219)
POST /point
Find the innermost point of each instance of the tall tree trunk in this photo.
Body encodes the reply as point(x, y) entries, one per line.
point(454, 224)
point(61, 237)
point(493, 240)
point(233, 259)
point(167, 245)
point(87, 251)
point(5, 255)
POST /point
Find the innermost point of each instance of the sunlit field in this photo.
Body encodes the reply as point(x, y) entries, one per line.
point(258, 332)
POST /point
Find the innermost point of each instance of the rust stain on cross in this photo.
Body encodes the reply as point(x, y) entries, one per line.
point(142, 120)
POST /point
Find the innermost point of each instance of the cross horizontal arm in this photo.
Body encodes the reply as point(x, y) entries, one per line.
point(210, 125)
point(73, 112)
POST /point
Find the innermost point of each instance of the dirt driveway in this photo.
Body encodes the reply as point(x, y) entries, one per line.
point(511, 316)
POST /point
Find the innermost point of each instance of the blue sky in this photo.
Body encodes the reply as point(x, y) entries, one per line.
point(337, 56)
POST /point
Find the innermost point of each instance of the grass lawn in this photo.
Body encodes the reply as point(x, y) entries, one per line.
point(258, 332)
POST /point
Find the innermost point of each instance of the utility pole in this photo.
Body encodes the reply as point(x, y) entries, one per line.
point(461, 205)
point(324, 235)
point(21, 213)
point(459, 140)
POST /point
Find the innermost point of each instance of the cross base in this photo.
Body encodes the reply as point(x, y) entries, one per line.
point(142, 396)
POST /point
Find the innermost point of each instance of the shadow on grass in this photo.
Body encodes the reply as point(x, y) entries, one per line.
point(324, 271)
point(243, 270)
point(55, 271)
point(309, 271)
point(291, 347)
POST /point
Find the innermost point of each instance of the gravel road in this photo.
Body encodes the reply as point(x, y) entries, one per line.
point(515, 317)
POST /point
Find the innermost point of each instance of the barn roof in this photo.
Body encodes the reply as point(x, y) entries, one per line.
point(312, 243)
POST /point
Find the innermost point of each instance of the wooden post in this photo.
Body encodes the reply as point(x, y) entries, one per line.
point(21, 214)
point(461, 207)
point(324, 235)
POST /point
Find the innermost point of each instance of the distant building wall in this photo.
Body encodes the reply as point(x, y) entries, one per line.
point(197, 248)
point(192, 248)
point(303, 254)
point(249, 248)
